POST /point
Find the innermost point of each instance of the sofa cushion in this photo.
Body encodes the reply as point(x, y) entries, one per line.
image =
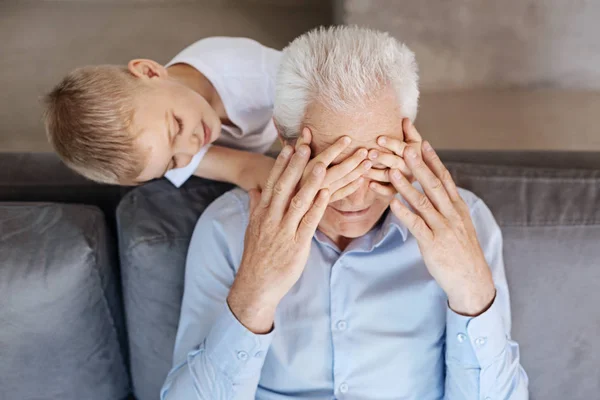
point(60, 313)
point(155, 223)
point(551, 225)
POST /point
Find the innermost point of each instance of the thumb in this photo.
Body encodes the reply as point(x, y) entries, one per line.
point(411, 135)
point(254, 199)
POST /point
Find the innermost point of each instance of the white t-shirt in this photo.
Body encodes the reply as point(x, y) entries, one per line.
point(243, 72)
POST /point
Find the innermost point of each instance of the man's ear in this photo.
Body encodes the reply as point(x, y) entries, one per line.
point(283, 141)
point(147, 69)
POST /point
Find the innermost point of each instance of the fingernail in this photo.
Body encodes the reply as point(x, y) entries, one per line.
point(427, 146)
point(373, 154)
point(367, 164)
point(286, 151)
point(303, 150)
point(396, 174)
point(362, 152)
point(381, 141)
point(318, 169)
point(346, 140)
point(411, 153)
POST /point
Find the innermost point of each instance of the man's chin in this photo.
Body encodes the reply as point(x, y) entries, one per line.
point(347, 229)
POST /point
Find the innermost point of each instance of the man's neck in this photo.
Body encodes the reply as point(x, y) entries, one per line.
point(195, 80)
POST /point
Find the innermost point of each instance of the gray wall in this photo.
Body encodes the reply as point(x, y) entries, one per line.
point(491, 43)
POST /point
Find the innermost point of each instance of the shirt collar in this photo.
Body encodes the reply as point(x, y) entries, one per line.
point(374, 237)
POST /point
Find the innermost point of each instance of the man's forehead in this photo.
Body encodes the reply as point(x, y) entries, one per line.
point(381, 116)
point(363, 136)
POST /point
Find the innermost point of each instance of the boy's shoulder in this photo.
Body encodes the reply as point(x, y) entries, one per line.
point(228, 54)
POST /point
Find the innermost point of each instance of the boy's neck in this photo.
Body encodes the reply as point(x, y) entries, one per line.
point(195, 80)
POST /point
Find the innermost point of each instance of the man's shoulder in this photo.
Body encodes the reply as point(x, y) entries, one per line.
point(227, 214)
point(469, 197)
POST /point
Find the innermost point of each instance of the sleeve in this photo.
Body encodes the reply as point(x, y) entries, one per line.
point(482, 362)
point(215, 356)
point(178, 176)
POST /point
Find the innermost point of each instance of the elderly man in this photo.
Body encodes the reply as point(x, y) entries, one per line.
point(395, 291)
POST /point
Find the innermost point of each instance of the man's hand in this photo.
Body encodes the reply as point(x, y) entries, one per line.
point(345, 178)
point(282, 223)
point(444, 230)
point(394, 160)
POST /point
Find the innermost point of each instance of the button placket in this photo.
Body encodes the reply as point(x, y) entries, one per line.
point(338, 327)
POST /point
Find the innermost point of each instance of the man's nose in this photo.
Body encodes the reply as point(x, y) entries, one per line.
point(361, 195)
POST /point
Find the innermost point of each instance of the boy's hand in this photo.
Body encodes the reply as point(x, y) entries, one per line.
point(343, 179)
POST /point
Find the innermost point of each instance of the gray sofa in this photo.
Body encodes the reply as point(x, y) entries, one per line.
point(91, 276)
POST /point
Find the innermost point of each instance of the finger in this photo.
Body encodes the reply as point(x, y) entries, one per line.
point(380, 175)
point(383, 190)
point(359, 171)
point(311, 219)
point(332, 152)
point(255, 196)
point(439, 169)
point(347, 190)
point(305, 138)
point(412, 221)
point(411, 135)
point(390, 160)
point(344, 168)
point(287, 183)
point(280, 165)
point(392, 144)
point(419, 201)
point(303, 200)
point(431, 184)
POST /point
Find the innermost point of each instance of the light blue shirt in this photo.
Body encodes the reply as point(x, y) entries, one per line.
point(366, 323)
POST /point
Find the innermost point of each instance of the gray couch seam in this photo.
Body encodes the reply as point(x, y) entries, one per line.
point(529, 178)
point(105, 300)
point(553, 223)
point(154, 239)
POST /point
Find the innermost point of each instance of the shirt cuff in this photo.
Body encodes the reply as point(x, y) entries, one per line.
point(178, 176)
point(475, 341)
point(235, 350)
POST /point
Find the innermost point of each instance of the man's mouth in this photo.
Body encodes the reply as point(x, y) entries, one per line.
point(352, 213)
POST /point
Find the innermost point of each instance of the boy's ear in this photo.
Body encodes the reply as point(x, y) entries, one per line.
point(147, 69)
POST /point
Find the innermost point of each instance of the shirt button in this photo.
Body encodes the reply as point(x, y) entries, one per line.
point(480, 341)
point(343, 388)
point(242, 355)
point(342, 325)
point(461, 337)
point(259, 354)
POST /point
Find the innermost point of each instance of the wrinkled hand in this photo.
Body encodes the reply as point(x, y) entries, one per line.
point(283, 220)
point(345, 178)
point(394, 159)
point(442, 225)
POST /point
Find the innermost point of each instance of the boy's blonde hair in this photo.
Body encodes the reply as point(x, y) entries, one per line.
point(89, 118)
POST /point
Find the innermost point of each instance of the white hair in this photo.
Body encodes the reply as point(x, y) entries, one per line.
point(342, 68)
